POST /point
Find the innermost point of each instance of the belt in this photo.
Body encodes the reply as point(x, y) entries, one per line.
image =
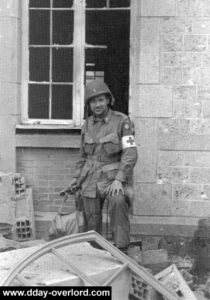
point(105, 159)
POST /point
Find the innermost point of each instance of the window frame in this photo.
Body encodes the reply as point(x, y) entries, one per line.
point(78, 46)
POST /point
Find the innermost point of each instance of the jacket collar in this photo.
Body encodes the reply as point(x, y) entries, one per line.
point(106, 119)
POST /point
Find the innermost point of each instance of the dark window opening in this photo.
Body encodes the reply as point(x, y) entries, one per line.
point(110, 31)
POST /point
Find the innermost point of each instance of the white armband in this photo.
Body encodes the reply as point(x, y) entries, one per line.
point(128, 141)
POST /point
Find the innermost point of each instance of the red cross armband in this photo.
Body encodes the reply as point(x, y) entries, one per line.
point(128, 135)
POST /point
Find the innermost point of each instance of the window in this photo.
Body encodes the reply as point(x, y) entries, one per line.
point(66, 44)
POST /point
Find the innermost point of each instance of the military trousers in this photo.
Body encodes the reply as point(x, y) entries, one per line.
point(118, 209)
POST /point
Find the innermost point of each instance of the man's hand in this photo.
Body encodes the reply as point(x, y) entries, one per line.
point(74, 184)
point(115, 188)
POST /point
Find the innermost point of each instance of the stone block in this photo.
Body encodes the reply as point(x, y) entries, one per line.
point(149, 53)
point(171, 76)
point(170, 59)
point(192, 76)
point(197, 159)
point(183, 192)
point(205, 73)
point(200, 126)
point(200, 175)
point(10, 8)
point(201, 26)
point(152, 199)
point(173, 175)
point(145, 127)
point(156, 8)
point(10, 50)
point(9, 98)
point(156, 256)
point(186, 109)
point(172, 42)
point(173, 126)
point(195, 42)
point(193, 208)
point(205, 59)
point(170, 158)
point(7, 138)
point(206, 109)
point(206, 8)
point(185, 93)
point(184, 142)
point(175, 25)
point(189, 8)
point(145, 170)
point(190, 59)
point(203, 93)
point(153, 101)
point(206, 192)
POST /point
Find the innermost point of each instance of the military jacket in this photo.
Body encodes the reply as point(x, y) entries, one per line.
point(108, 152)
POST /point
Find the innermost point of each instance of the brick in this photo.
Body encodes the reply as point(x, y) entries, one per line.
point(188, 8)
point(184, 142)
point(206, 109)
point(154, 8)
point(200, 126)
point(171, 76)
point(170, 158)
point(51, 177)
point(200, 175)
point(173, 126)
point(152, 199)
point(173, 174)
point(172, 42)
point(195, 42)
point(154, 101)
point(149, 54)
point(175, 25)
point(197, 159)
point(40, 196)
point(187, 192)
point(59, 183)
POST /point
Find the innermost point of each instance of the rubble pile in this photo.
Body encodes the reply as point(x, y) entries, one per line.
point(185, 269)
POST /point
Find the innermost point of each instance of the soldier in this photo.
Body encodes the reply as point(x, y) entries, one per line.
point(108, 155)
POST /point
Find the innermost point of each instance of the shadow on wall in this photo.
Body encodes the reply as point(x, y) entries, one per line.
point(200, 248)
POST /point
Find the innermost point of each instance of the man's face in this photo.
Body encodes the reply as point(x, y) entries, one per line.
point(99, 105)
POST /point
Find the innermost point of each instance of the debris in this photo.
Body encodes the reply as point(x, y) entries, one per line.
point(172, 278)
point(158, 256)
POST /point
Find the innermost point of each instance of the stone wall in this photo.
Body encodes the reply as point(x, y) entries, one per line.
point(10, 66)
point(172, 109)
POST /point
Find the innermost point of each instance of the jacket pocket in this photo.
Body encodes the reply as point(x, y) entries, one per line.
point(88, 145)
point(111, 143)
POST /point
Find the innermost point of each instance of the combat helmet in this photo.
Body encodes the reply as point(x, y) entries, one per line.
point(96, 88)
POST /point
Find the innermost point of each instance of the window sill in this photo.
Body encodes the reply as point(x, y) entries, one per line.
point(47, 136)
